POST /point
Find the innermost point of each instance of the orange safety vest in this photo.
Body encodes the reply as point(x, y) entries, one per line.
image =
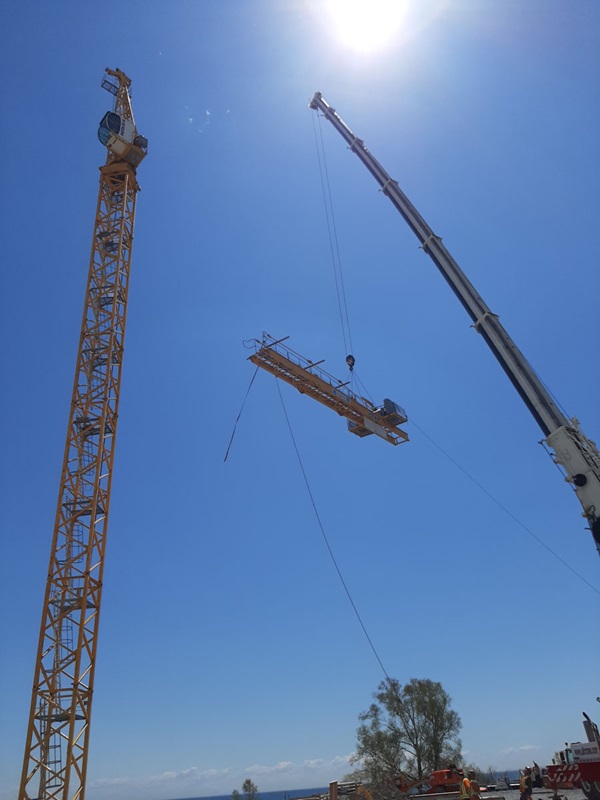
point(465, 789)
point(523, 785)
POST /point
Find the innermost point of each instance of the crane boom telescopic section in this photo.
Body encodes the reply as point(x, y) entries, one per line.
point(572, 450)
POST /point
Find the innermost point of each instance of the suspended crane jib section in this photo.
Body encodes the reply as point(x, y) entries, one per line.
point(308, 378)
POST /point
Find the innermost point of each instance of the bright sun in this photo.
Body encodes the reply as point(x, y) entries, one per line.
point(366, 24)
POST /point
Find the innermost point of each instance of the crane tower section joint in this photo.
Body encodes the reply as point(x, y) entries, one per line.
point(363, 417)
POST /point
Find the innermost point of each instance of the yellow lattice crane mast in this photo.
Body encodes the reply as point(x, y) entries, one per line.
point(56, 749)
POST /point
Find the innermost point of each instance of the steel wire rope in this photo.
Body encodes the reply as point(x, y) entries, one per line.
point(335, 251)
point(552, 395)
point(550, 392)
point(326, 540)
point(237, 419)
point(500, 505)
point(333, 238)
point(554, 398)
point(364, 388)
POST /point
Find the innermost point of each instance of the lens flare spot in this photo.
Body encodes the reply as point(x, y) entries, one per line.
point(366, 26)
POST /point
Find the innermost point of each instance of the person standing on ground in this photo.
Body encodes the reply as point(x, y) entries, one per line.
point(526, 784)
point(465, 788)
point(474, 785)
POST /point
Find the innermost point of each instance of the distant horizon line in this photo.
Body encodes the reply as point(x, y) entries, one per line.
point(295, 794)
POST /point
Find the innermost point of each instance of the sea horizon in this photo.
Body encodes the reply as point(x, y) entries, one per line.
point(293, 794)
point(277, 794)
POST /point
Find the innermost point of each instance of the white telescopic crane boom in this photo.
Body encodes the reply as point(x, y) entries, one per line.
point(574, 452)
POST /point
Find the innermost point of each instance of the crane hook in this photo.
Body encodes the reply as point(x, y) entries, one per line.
point(350, 361)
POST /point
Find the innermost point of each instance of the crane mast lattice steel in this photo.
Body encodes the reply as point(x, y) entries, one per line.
point(577, 455)
point(56, 751)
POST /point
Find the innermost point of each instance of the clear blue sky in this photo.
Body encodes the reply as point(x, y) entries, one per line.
point(228, 648)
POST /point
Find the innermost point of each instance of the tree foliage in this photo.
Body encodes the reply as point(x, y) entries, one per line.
point(249, 791)
point(410, 729)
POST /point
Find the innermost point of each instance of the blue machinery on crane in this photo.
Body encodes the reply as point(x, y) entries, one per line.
point(307, 377)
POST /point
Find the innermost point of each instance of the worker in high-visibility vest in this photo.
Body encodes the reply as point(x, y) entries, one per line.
point(469, 787)
point(465, 789)
point(526, 784)
point(474, 785)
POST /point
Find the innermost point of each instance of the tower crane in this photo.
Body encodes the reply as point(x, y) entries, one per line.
point(56, 750)
point(575, 454)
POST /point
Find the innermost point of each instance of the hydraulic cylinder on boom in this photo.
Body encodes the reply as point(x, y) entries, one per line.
point(577, 455)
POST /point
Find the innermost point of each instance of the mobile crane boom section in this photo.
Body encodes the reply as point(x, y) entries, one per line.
point(577, 455)
point(308, 378)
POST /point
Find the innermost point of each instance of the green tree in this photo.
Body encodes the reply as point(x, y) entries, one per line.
point(249, 791)
point(410, 729)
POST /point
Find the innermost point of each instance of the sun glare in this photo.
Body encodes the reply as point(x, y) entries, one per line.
point(364, 25)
